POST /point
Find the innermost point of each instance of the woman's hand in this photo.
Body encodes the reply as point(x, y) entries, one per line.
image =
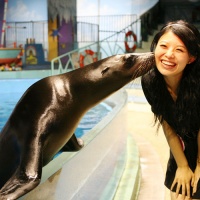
point(196, 178)
point(183, 178)
point(197, 170)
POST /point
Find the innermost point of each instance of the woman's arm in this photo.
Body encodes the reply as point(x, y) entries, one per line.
point(197, 170)
point(184, 174)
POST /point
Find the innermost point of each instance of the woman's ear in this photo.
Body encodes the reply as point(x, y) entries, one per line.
point(191, 60)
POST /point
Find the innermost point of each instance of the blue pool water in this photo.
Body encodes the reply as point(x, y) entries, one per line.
point(11, 91)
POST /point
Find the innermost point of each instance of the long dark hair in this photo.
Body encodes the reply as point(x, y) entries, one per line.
point(189, 89)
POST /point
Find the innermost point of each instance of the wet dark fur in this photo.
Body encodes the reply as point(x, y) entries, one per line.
point(46, 116)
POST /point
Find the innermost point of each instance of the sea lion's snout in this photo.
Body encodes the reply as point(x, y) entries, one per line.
point(139, 59)
point(143, 56)
point(142, 63)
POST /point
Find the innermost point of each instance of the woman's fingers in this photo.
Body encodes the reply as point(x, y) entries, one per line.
point(173, 184)
point(195, 179)
point(192, 181)
point(177, 187)
point(185, 189)
point(194, 185)
point(188, 190)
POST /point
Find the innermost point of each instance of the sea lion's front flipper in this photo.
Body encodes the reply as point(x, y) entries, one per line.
point(28, 174)
point(73, 144)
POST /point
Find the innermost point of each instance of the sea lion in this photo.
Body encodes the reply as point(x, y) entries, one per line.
point(45, 118)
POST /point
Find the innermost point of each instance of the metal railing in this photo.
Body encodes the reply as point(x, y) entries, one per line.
point(112, 45)
point(87, 32)
point(108, 25)
point(19, 33)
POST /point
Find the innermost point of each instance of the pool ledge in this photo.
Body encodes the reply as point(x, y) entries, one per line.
point(25, 74)
point(108, 167)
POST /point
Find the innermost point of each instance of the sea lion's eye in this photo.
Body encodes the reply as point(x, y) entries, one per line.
point(105, 70)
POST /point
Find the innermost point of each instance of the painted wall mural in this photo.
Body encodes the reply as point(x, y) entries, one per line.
point(60, 15)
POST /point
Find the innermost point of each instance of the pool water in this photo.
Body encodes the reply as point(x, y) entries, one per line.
point(11, 91)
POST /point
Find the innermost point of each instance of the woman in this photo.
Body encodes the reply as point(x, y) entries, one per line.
point(172, 88)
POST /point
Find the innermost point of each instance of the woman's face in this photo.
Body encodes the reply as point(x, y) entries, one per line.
point(171, 55)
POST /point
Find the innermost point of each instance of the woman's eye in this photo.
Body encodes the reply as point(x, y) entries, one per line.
point(163, 45)
point(179, 50)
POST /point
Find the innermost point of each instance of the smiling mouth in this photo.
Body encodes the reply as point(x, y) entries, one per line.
point(168, 64)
